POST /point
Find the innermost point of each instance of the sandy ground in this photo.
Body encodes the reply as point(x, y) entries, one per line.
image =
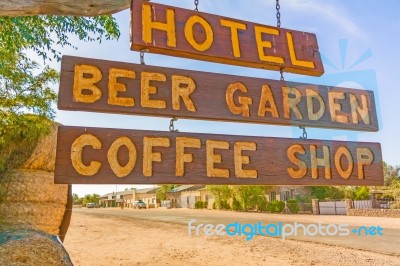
point(95, 239)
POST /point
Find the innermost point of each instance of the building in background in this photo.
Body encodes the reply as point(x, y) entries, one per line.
point(128, 197)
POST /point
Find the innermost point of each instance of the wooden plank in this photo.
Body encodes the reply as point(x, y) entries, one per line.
point(123, 88)
point(118, 156)
point(196, 35)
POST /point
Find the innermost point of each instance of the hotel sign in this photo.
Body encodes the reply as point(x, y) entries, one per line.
point(196, 35)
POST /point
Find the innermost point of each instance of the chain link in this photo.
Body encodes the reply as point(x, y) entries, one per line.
point(304, 136)
point(172, 126)
point(278, 14)
point(281, 71)
point(196, 3)
point(278, 24)
point(142, 56)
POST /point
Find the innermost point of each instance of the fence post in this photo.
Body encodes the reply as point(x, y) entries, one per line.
point(315, 206)
point(349, 205)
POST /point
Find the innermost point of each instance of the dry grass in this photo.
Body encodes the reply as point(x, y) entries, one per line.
point(28, 247)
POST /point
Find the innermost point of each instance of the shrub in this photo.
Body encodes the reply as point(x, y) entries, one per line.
point(198, 205)
point(236, 206)
point(303, 198)
point(276, 206)
point(293, 205)
point(262, 204)
point(395, 205)
point(224, 205)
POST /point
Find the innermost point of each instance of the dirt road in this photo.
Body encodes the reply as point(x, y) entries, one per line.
point(155, 237)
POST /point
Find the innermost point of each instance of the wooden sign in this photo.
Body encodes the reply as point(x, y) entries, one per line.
point(116, 156)
point(114, 87)
point(185, 33)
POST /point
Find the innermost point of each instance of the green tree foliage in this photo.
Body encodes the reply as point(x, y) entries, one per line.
point(276, 206)
point(327, 192)
point(249, 197)
point(222, 194)
point(239, 197)
point(161, 193)
point(361, 193)
point(391, 173)
point(26, 97)
point(90, 198)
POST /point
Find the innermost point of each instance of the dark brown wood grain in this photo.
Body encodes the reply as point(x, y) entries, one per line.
point(270, 160)
point(209, 97)
point(221, 50)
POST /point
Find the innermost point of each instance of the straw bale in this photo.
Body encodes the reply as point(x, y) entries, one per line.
point(31, 247)
point(30, 199)
point(44, 155)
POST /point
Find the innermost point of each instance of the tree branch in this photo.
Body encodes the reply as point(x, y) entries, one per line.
point(15, 8)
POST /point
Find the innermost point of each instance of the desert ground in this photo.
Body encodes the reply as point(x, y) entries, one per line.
point(160, 237)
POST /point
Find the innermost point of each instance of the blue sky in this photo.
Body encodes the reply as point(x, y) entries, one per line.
point(359, 42)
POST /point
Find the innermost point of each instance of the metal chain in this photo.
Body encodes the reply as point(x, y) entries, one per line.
point(304, 136)
point(172, 126)
point(278, 24)
point(281, 71)
point(196, 3)
point(278, 14)
point(142, 56)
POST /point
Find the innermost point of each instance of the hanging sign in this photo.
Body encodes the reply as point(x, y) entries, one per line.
point(114, 87)
point(117, 156)
point(196, 35)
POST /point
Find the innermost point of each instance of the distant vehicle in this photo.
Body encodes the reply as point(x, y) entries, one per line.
point(92, 205)
point(139, 204)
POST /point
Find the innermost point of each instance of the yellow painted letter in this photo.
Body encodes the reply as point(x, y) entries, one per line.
point(240, 159)
point(112, 155)
point(365, 157)
point(149, 156)
point(81, 83)
point(190, 36)
point(334, 107)
point(261, 44)
point(235, 27)
point(147, 90)
point(291, 154)
point(148, 25)
point(291, 103)
point(114, 87)
point(76, 154)
point(213, 158)
point(293, 56)
point(183, 87)
point(181, 156)
point(267, 97)
point(245, 102)
point(324, 161)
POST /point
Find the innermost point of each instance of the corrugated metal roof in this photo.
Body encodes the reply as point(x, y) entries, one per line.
point(130, 191)
point(186, 188)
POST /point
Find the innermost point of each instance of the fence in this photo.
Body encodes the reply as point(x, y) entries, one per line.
point(332, 207)
point(376, 204)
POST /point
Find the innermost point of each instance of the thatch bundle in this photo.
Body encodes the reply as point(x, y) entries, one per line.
point(31, 203)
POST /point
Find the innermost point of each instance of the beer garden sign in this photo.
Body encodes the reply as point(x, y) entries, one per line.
point(108, 156)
